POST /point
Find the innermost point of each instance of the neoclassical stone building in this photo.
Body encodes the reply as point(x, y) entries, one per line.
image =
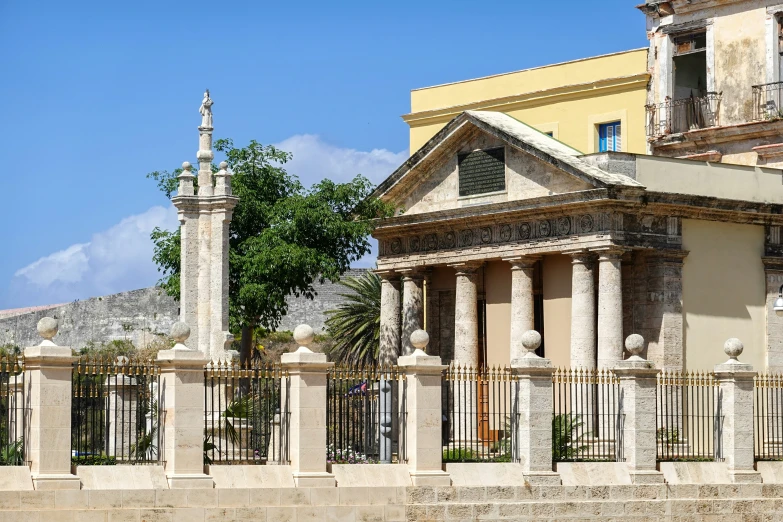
point(501, 228)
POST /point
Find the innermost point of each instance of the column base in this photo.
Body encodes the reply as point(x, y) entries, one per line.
point(51, 482)
point(194, 481)
point(542, 478)
point(314, 479)
point(646, 477)
point(745, 477)
point(430, 478)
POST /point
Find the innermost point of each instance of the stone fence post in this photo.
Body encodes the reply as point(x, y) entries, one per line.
point(533, 407)
point(305, 395)
point(638, 382)
point(182, 422)
point(736, 402)
point(48, 379)
point(424, 444)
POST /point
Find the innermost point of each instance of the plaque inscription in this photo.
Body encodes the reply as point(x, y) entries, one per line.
point(482, 171)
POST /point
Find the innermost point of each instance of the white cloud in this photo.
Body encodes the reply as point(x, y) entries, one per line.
point(114, 260)
point(120, 258)
point(314, 160)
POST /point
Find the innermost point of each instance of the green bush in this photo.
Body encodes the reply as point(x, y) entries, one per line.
point(94, 460)
point(565, 442)
point(459, 455)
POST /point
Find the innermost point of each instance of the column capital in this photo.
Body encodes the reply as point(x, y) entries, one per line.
point(468, 269)
point(580, 257)
point(413, 273)
point(522, 262)
point(387, 275)
point(609, 253)
point(772, 264)
point(668, 256)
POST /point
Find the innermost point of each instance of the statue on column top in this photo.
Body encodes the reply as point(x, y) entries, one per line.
point(206, 110)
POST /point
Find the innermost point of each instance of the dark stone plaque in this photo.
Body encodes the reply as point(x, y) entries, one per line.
point(482, 171)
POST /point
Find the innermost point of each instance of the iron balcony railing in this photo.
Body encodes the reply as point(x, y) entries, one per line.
point(683, 115)
point(768, 101)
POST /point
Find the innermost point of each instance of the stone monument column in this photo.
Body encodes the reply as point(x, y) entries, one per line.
point(412, 307)
point(48, 377)
point(583, 338)
point(205, 217)
point(466, 316)
point(610, 308)
point(736, 402)
point(637, 405)
point(533, 404)
point(773, 270)
point(390, 318)
point(522, 306)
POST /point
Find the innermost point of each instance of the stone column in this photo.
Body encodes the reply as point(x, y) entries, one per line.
point(412, 307)
point(223, 205)
point(736, 407)
point(532, 402)
point(610, 308)
point(48, 375)
point(663, 310)
point(466, 316)
point(305, 397)
point(773, 270)
point(182, 422)
point(583, 320)
point(187, 213)
point(638, 409)
point(522, 305)
point(424, 445)
point(390, 318)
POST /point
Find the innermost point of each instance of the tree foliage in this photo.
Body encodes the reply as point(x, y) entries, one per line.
point(355, 325)
point(283, 237)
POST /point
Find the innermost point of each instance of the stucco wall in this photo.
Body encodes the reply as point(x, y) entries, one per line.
point(526, 177)
point(497, 281)
point(758, 184)
point(568, 99)
point(723, 292)
point(557, 309)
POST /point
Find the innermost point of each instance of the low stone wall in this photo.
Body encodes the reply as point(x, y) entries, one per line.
point(691, 503)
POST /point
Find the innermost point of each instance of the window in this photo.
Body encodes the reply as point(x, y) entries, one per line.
point(609, 137)
point(551, 134)
point(689, 66)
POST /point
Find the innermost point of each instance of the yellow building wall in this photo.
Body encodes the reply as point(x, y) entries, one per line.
point(497, 291)
point(556, 272)
point(568, 99)
point(723, 292)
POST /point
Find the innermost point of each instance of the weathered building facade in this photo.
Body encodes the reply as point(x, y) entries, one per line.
point(715, 91)
point(502, 229)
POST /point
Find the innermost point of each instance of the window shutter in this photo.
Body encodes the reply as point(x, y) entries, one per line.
point(618, 142)
point(609, 137)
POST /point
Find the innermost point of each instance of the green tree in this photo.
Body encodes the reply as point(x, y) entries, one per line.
point(283, 237)
point(355, 325)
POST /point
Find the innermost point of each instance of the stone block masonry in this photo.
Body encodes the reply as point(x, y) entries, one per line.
point(141, 316)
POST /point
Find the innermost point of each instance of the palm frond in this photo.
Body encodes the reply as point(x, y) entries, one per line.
point(355, 325)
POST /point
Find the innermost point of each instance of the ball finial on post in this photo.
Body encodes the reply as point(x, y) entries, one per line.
point(180, 332)
point(303, 336)
point(419, 340)
point(531, 341)
point(634, 344)
point(47, 329)
point(733, 347)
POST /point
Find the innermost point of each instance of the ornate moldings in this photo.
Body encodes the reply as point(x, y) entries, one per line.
point(649, 230)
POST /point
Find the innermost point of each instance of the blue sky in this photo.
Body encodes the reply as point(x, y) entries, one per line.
point(97, 94)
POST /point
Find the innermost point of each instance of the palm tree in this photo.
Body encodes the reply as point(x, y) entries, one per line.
point(355, 325)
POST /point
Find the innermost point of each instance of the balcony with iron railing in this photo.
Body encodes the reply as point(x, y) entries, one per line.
point(768, 101)
point(683, 115)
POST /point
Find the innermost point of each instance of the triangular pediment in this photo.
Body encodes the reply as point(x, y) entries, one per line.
point(489, 157)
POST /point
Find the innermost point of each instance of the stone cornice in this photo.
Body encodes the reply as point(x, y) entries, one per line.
point(525, 99)
point(204, 203)
point(716, 135)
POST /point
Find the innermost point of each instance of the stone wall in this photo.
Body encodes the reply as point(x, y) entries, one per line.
point(142, 315)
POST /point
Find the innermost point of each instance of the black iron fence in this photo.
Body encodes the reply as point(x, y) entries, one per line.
point(587, 424)
point(365, 415)
point(245, 415)
point(689, 422)
point(768, 417)
point(115, 412)
point(13, 413)
point(683, 115)
point(768, 101)
point(479, 421)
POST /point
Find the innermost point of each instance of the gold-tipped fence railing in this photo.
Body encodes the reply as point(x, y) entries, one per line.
point(479, 419)
point(768, 416)
point(115, 412)
point(246, 417)
point(587, 424)
point(689, 422)
point(365, 415)
point(14, 417)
